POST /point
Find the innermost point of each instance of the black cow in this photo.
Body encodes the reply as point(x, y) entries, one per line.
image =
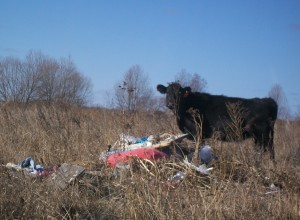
point(223, 117)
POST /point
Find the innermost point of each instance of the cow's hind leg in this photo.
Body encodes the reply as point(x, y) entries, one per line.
point(259, 146)
point(259, 150)
point(269, 143)
point(264, 143)
point(268, 139)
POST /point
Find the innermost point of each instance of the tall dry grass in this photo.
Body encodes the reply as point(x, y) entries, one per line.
point(238, 188)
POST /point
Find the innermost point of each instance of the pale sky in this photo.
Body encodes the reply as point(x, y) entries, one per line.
point(241, 48)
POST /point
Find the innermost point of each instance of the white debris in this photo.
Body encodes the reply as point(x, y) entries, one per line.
point(202, 168)
point(178, 176)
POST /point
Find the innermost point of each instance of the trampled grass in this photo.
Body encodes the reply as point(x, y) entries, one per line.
point(241, 186)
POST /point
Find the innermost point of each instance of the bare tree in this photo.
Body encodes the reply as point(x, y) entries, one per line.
point(48, 82)
point(277, 93)
point(42, 78)
point(133, 92)
point(10, 80)
point(31, 75)
point(73, 87)
point(195, 81)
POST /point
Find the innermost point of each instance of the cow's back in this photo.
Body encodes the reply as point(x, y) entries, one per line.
point(217, 111)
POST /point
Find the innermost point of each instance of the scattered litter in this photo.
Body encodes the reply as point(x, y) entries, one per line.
point(14, 166)
point(206, 154)
point(177, 177)
point(57, 177)
point(202, 168)
point(28, 163)
point(29, 168)
point(273, 189)
point(143, 153)
point(65, 175)
point(150, 147)
point(125, 140)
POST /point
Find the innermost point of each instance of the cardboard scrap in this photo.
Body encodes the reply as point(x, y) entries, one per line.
point(64, 175)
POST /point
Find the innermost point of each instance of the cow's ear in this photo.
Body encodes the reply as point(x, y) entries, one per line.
point(161, 88)
point(187, 91)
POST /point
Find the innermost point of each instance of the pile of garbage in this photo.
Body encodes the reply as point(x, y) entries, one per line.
point(119, 155)
point(152, 148)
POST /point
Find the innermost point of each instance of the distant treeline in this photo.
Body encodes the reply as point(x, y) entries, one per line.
point(42, 78)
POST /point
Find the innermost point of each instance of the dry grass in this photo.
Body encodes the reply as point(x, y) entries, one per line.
point(239, 187)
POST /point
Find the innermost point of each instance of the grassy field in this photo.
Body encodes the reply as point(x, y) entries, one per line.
point(240, 186)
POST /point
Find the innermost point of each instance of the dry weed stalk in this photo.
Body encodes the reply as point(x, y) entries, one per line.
point(197, 117)
point(235, 126)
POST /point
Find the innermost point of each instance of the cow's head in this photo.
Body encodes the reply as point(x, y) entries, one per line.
point(175, 95)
